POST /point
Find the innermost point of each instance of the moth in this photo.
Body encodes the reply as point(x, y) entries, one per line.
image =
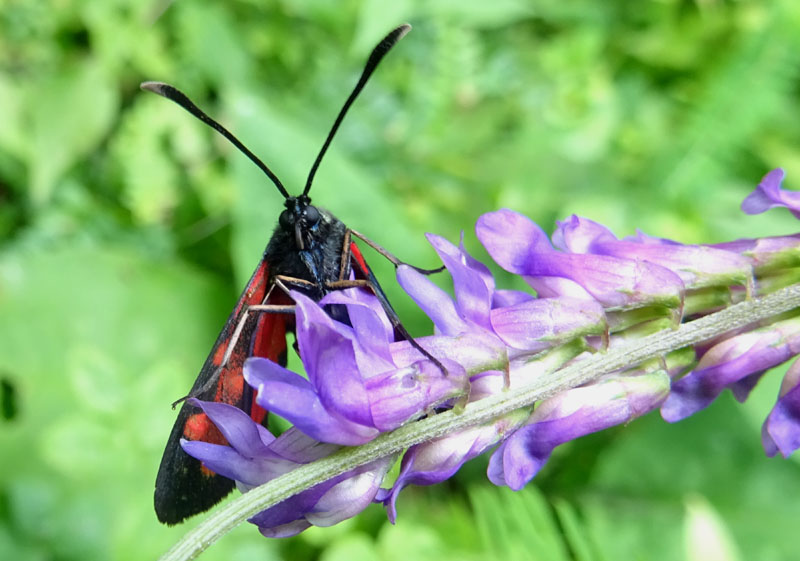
point(311, 251)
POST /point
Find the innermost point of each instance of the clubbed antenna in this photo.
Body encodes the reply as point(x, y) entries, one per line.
point(372, 62)
point(174, 94)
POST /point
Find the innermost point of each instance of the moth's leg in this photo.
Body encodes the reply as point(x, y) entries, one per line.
point(392, 259)
point(283, 282)
point(352, 283)
point(394, 319)
point(383, 251)
point(344, 266)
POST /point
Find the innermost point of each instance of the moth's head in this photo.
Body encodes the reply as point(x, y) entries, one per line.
point(299, 218)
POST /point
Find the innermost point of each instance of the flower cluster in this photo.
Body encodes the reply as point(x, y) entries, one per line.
point(590, 291)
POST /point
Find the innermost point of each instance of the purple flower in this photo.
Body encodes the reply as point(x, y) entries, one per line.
point(769, 195)
point(514, 323)
point(542, 323)
point(521, 247)
point(254, 456)
point(731, 361)
point(439, 459)
point(767, 254)
point(697, 266)
point(509, 322)
point(610, 401)
point(772, 254)
point(356, 388)
point(781, 430)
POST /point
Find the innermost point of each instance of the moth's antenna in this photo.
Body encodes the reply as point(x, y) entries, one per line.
point(372, 62)
point(174, 94)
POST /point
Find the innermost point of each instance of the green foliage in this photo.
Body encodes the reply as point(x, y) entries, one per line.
point(127, 228)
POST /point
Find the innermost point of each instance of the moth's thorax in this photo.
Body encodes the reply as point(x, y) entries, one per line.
point(305, 250)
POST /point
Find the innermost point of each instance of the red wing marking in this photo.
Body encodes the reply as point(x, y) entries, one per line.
point(200, 427)
point(355, 254)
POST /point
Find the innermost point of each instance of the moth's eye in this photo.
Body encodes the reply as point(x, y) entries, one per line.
point(311, 215)
point(286, 220)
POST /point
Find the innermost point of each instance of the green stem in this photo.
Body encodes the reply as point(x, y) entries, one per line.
point(230, 515)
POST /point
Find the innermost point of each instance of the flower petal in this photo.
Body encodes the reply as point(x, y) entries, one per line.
point(517, 460)
point(728, 362)
point(246, 437)
point(781, 430)
point(328, 352)
point(697, 266)
point(291, 396)
point(351, 495)
point(767, 253)
point(325, 504)
point(434, 301)
point(769, 194)
point(227, 462)
point(408, 393)
point(538, 324)
point(503, 298)
point(371, 328)
point(511, 239)
point(580, 235)
point(473, 295)
point(576, 412)
point(437, 460)
point(515, 243)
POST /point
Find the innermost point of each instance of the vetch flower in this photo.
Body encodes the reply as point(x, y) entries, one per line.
point(521, 247)
point(731, 361)
point(254, 456)
point(511, 322)
point(542, 323)
point(697, 266)
point(767, 254)
point(468, 316)
point(355, 388)
point(769, 195)
point(610, 401)
point(517, 323)
point(775, 260)
point(437, 460)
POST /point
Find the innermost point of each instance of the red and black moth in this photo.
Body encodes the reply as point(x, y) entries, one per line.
point(310, 251)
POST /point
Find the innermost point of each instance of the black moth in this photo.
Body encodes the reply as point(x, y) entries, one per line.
point(311, 251)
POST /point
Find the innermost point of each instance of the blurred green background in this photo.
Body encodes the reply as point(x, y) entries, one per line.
point(127, 230)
